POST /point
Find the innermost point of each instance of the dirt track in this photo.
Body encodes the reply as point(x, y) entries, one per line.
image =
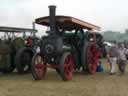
point(100, 84)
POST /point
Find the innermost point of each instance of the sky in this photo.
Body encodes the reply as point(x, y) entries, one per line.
point(108, 14)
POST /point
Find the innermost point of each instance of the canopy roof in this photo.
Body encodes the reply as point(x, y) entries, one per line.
point(16, 30)
point(67, 22)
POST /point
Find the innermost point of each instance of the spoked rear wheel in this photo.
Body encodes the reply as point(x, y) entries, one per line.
point(23, 60)
point(66, 66)
point(38, 67)
point(90, 57)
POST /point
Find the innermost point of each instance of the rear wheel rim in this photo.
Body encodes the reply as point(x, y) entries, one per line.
point(40, 67)
point(68, 67)
point(92, 58)
point(25, 60)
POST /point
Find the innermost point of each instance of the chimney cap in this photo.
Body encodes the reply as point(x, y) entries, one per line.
point(52, 6)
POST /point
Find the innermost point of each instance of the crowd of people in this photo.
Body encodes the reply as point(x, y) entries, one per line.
point(117, 55)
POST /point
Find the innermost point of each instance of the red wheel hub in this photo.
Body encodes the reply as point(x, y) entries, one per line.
point(68, 67)
point(92, 58)
point(40, 67)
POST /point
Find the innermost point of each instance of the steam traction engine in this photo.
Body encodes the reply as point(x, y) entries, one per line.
point(11, 41)
point(67, 47)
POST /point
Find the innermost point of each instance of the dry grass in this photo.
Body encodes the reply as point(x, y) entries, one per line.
point(100, 84)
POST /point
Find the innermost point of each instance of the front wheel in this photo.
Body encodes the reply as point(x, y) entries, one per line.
point(38, 67)
point(66, 66)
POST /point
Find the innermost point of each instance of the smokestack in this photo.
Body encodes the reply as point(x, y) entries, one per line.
point(33, 25)
point(52, 12)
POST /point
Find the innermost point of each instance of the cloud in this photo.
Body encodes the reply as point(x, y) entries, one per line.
point(109, 14)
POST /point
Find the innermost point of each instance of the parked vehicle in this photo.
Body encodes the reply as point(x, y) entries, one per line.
point(25, 54)
point(67, 46)
point(10, 45)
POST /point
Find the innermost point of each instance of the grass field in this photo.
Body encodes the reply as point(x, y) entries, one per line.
point(100, 84)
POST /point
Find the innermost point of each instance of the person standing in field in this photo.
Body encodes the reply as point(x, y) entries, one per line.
point(122, 52)
point(112, 58)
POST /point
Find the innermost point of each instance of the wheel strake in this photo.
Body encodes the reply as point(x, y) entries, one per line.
point(92, 58)
point(25, 61)
point(68, 67)
point(39, 67)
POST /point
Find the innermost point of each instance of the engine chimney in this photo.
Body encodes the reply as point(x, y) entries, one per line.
point(52, 12)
